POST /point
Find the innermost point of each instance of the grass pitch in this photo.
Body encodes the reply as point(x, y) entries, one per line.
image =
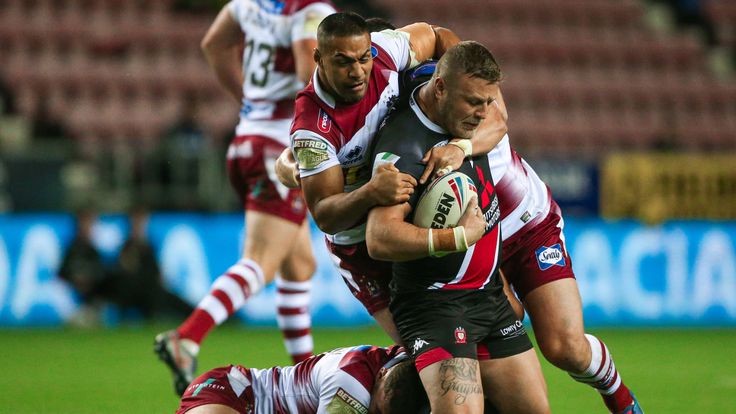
point(115, 371)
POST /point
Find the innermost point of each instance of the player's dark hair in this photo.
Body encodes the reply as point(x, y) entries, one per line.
point(377, 24)
point(342, 24)
point(404, 390)
point(469, 58)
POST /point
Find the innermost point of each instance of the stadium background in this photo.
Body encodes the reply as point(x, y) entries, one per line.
point(627, 108)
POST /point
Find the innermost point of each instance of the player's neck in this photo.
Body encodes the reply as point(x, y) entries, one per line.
point(427, 103)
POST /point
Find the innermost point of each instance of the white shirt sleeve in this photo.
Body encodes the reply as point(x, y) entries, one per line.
point(396, 44)
point(305, 21)
point(341, 393)
point(238, 10)
point(312, 152)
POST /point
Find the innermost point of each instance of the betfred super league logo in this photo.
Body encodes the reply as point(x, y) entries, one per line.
point(460, 336)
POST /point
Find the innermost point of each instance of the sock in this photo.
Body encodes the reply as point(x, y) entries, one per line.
point(603, 376)
point(226, 296)
point(294, 320)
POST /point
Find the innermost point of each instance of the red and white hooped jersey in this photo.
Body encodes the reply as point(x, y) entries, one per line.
point(343, 377)
point(523, 196)
point(325, 134)
point(270, 81)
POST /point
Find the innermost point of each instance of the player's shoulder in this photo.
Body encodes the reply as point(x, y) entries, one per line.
point(295, 6)
point(310, 113)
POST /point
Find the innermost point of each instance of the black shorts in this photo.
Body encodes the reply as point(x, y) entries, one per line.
point(441, 324)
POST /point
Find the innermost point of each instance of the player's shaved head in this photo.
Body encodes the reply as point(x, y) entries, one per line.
point(344, 24)
point(468, 58)
point(403, 389)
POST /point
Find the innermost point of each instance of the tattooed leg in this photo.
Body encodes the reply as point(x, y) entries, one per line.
point(453, 386)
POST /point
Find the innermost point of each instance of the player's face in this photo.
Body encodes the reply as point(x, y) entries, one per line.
point(464, 102)
point(345, 65)
point(378, 396)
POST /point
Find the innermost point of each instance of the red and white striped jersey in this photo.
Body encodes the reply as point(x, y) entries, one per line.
point(325, 134)
point(270, 81)
point(523, 196)
point(340, 378)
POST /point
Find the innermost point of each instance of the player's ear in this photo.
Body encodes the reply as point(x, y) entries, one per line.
point(317, 56)
point(440, 87)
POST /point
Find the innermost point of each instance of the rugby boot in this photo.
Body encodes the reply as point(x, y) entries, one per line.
point(634, 408)
point(178, 356)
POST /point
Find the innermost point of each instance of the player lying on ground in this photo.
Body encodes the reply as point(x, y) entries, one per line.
point(447, 298)
point(358, 380)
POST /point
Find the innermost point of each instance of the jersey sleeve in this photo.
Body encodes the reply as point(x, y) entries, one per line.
point(313, 152)
point(396, 44)
point(340, 393)
point(238, 10)
point(305, 21)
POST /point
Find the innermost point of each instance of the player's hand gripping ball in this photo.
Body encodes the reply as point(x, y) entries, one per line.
point(444, 201)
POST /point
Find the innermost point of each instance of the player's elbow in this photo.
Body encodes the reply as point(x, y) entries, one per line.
point(377, 246)
point(326, 222)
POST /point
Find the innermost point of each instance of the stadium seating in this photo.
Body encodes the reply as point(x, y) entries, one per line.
point(117, 69)
point(582, 76)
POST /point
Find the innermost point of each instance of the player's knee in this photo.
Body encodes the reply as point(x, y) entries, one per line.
point(566, 352)
point(299, 268)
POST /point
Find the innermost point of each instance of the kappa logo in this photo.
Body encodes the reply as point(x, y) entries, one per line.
point(550, 256)
point(460, 336)
point(419, 343)
point(324, 123)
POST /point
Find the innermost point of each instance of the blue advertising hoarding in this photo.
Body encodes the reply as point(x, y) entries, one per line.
point(679, 273)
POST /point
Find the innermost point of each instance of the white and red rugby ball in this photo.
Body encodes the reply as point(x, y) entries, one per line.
point(444, 201)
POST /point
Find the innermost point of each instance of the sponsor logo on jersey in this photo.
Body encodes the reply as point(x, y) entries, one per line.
point(310, 153)
point(343, 402)
point(324, 123)
point(374, 52)
point(525, 217)
point(419, 343)
point(209, 383)
point(443, 209)
point(550, 256)
point(513, 330)
point(460, 336)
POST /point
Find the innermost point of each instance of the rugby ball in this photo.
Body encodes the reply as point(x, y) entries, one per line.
point(444, 201)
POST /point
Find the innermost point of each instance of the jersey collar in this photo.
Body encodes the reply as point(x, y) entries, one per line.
point(423, 118)
point(323, 95)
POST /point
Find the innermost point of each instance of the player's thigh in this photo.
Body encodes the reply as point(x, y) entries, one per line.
point(212, 409)
point(299, 264)
point(515, 384)
point(268, 240)
point(555, 310)
point(453, 386)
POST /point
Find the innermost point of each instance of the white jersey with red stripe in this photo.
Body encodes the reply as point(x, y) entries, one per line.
point(269, 73)
point(325, 134)
point(325, 383)
point(523, 196)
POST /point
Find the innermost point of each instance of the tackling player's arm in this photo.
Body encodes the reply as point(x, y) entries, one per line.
point(221, 46)
point(334, 210)
point(427, 41)
point(390, 238)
